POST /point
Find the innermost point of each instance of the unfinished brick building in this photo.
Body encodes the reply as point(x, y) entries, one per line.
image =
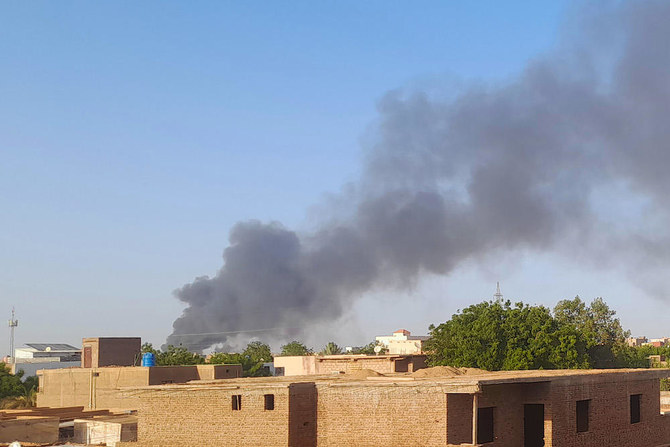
point(531, 408)
point(101, 387)
point(347, 363)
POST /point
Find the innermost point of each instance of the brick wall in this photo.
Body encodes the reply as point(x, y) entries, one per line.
point(381, 415)
point(329, 413)
point(72, 386)
point(122, 351)
point(203, 416)
point(609, 418)
point(347, 365)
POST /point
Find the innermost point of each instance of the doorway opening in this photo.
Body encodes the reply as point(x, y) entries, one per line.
point(533, 425)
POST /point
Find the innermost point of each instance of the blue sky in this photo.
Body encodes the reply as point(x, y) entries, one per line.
point(134, 135)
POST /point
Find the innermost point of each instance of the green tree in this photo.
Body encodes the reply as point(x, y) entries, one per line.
point(604, 335)
point(498, 336)
point(331, 349)
point(295, 348)
point(148, 347)
point(10, 384)
point(256, 354)
point(369, 349)
point(178, 355)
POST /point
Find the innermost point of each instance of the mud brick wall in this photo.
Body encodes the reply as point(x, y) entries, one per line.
point(609, 413)
point(204, 416)
point(383, 415)
point(347, 365)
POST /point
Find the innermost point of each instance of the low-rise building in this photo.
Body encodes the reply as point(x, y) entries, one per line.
point(110, 351)
point(402, 342)
point(346, 363)
point(100, 388)
point(568, 408)
point(38, 356)
point(634, 342)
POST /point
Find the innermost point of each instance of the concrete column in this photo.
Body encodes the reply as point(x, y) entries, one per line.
point(475, 405)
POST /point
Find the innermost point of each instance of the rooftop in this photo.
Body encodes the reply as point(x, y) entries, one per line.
point(46, 347)
point(463, 380)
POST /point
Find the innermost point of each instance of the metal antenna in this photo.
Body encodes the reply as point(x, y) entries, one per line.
point(498, 295)
point(12, 325)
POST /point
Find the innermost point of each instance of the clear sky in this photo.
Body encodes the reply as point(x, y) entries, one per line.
point(133, 135)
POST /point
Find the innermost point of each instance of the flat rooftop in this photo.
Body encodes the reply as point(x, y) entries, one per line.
point(468, 380)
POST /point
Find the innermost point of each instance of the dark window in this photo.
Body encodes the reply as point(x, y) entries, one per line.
point(269, 401)
point(237, 401)
point(484, 425)
point(582, 416)
point(635, 408)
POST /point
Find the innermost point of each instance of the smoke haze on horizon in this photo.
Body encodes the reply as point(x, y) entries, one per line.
point(547, 161)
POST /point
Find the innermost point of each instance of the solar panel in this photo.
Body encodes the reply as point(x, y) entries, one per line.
point(53, 346)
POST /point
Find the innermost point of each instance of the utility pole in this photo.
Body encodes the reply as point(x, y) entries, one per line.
point(12, 325)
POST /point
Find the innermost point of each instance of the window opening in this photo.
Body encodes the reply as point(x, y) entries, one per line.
point(635, 408)
point(237, 402)
point(582, 416)
point(269, 401)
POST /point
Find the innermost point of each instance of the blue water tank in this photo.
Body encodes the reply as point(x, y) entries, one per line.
point(148, 359)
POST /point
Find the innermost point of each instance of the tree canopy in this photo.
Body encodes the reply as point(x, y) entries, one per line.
point(331, 349)
point(605, 338)
point(295, 348)
point(173, 355)
point(501, 336)
point(14, 391)
point(252, 359)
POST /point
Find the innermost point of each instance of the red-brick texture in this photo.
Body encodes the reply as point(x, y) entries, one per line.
point(609, 417)
point(203, 416)
point(381, 415)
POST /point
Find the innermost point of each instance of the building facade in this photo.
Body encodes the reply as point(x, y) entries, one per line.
point(346, 363)
point(402, 342)
point(592, 408)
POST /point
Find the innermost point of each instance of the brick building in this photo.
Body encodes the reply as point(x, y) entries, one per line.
point(346, 363)
point(100, 387)
point(585, 408)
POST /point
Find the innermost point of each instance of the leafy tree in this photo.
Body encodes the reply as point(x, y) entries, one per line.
point(498, 336)
point(604, 334)
point(10, 384)
point(369, 349)
point(177, 355)
point(252, 359)
point(295, 348)
point(331, 349)
point(148, 347)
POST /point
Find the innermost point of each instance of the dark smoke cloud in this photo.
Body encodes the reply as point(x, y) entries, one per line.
point(526, 165)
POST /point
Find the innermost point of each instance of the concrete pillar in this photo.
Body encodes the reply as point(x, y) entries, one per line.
point(475, 405)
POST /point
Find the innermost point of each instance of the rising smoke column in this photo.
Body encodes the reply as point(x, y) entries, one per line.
point(520, 166)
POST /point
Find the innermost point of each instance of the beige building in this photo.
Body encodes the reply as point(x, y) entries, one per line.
point(402, 342)
point(569, 408)
point(347, 363)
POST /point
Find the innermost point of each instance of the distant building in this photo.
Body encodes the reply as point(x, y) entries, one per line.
point(636, 341)
point(62, 351)
point(659, 342)
point(403, 342)
point(36, 356)
point(346, 363)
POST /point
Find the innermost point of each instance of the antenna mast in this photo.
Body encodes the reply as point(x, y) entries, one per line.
point(12, 325)
point(498, 296)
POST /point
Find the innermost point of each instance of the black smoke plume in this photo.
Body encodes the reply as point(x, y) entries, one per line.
point(549, 160)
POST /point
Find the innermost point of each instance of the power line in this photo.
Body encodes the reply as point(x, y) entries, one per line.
point(234, 332)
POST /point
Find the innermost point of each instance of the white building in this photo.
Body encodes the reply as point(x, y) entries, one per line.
point(36, 356)
point(403, 342)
